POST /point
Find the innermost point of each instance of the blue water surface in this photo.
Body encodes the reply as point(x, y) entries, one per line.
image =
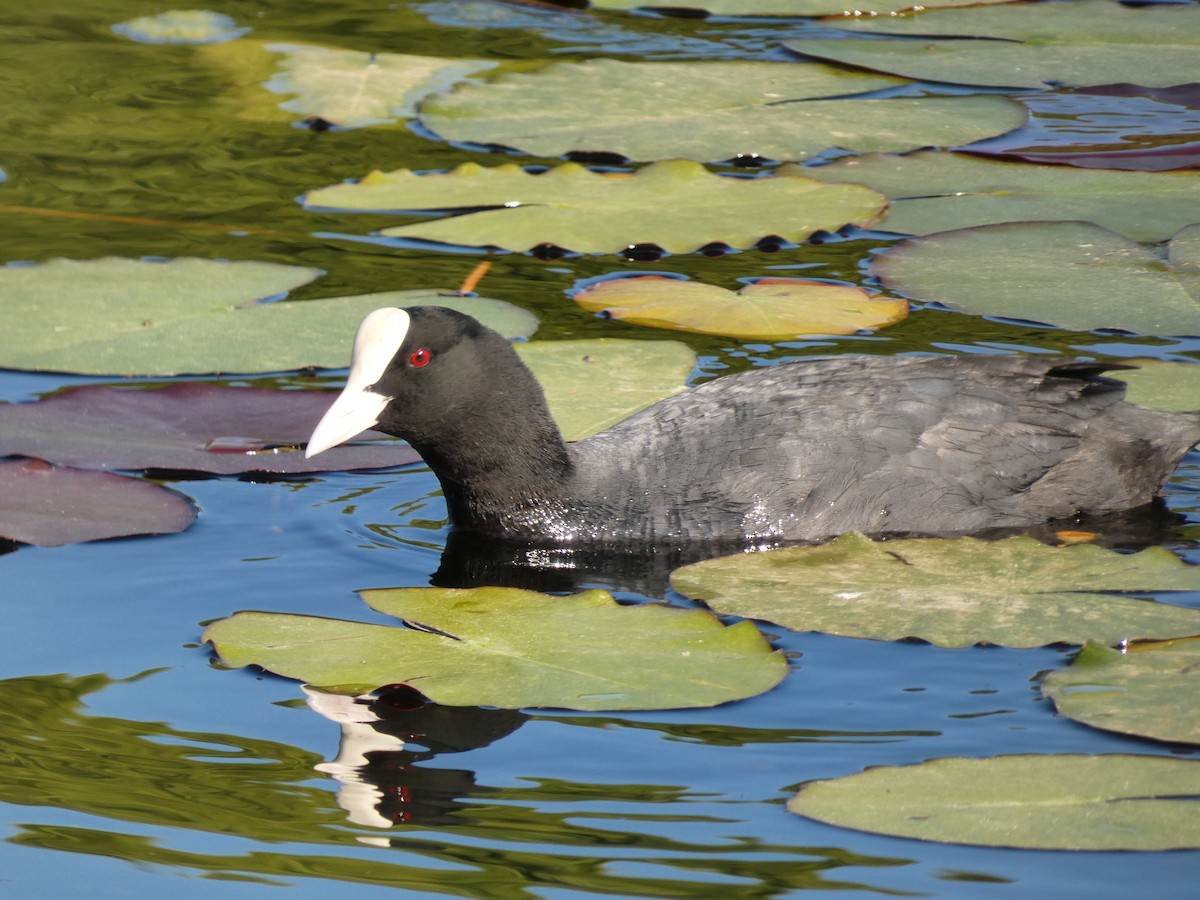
point(132, 764)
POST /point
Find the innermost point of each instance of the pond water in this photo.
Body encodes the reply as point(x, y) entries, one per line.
point(131, 765)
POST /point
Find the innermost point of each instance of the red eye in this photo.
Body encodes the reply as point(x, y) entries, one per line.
point(420, 358)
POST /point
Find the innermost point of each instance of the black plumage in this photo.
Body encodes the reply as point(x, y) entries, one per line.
point(799, 451)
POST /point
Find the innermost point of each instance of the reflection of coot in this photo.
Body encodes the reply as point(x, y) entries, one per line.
point(800, 451)
point(384, 734)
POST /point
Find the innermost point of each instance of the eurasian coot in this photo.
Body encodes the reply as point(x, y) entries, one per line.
point(799, 451)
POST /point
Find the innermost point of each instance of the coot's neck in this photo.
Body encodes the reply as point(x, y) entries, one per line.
point(503, 464)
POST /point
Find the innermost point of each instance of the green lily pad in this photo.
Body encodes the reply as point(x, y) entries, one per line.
point(510, 648)
point(1173, 386)
point(1069, 274)
point(771, 309)
point(181, 26)
point(1151, 690)
point(192, 316)
point(1030, 45)
point(943, 191)
point(593, 385)
point(706, 111)
point(676, 204)
point(782, 7)
point(1016, 592)
point(48, 506)
point(1060, 802)
point(350, 88)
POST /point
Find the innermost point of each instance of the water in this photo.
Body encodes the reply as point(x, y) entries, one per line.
point(134, 766)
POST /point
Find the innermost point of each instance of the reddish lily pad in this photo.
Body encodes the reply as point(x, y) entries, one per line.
point(1108, 126)
point(49, 506)
point(193, 426)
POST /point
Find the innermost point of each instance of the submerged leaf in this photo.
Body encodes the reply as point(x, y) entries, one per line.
point(706, 111)
point(1069, 274)
point(511, 648)
point(1016, 592)
point(1150, 690)
point(772, 309)
point(181, 26)
point(1075, 42)
point(676, 204)
point(1062, 802)
point(190, 426)
point(192, 316)
point(943, 191)
point(592, 385)
point(350, 88)
point(48, 506)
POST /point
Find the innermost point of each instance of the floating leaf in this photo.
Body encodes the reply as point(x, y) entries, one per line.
point(1061, 802)
point(1031, 45)
point(1151, 690)
point(943, 191)
point(592, 385)
point(181, 26)
point(706, 111)
point(676, 204)
point(783, 7)
point(1172, 386)
point(49, 507)
point(772, 309)
point(1108, 126)
point(192, 316)
point(953, 593)
point(511, 648)
point(350, 88)
point(191, 426)
point(1070, 274)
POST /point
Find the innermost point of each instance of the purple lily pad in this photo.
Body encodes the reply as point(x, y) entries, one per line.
point(49, 506)
point(1111, 126)
point(193, 426)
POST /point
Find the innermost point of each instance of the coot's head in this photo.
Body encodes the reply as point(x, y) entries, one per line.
point(415, 374)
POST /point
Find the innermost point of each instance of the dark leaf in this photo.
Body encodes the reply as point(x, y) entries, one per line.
point(48, 506)
point(194, 425)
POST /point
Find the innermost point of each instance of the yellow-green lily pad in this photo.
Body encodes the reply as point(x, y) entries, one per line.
point(1060, 802)
point(134, 317)
point(707, 111)
point(1151, 690)
point(1070, 274)
point(350, 88)
point(511, 648)
point(772, 309)
point(944, 191)
point(1015, 592)
point(676, 204)
point(1173, 386)
point(1073, 42)
point(592, 385)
